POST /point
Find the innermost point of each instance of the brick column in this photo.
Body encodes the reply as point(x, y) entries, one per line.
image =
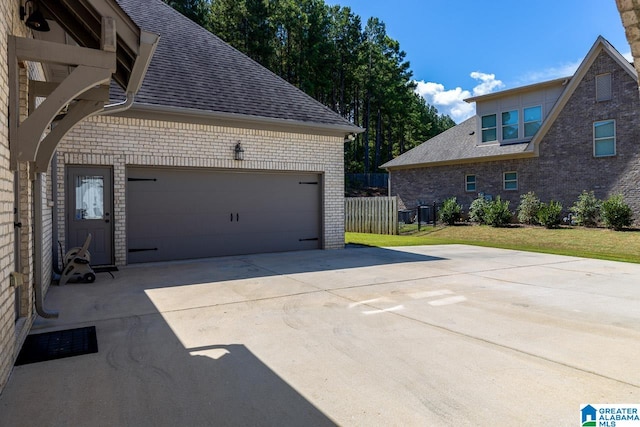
point(630, 14)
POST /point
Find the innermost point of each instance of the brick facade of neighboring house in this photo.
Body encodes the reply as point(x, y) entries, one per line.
point(125, 142)
point(565, 164)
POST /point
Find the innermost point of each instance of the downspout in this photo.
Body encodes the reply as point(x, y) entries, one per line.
point(119, 106)
point(38, 243)
point(54, 218)
point(17, 235)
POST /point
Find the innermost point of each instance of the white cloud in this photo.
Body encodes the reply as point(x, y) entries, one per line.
point(451, 101)
point(488, 85)
point(551, 73)
point(565, 70)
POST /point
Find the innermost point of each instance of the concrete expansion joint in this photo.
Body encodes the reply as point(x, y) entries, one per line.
point(513, 349)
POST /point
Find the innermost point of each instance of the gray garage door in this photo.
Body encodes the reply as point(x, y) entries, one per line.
point(184, 213)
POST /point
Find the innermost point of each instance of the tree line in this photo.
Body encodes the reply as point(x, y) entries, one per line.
point(356, 70)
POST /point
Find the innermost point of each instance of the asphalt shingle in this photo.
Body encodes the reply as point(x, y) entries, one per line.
point(194, 69)
point(458, 143)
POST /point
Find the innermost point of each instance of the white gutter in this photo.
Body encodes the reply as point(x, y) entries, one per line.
point(148, 44)
point(293, 125)
point(119, 106)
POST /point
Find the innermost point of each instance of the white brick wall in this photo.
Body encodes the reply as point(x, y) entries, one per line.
point(122, 142)
point(7, 331)
point(12, 333)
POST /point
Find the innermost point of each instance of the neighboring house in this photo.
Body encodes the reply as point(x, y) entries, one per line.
point(555, 138)
point(162, 149)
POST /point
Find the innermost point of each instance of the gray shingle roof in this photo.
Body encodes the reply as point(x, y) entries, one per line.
point(194, 69)
point(457, 144)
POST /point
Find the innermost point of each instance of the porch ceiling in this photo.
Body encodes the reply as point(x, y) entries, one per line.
point(80, 22)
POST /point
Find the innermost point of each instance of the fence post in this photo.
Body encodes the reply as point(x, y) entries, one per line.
point(435, 214)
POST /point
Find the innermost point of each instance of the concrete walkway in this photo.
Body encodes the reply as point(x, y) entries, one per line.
point(434, 335)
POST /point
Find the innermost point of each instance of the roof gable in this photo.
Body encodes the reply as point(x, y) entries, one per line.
point(600, 45)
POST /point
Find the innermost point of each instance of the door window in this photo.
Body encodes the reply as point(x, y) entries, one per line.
point(89, 197)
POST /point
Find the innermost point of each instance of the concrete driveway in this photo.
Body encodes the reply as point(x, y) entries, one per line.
point(434, 335)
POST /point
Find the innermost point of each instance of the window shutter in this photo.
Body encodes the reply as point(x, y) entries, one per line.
point(603, 87)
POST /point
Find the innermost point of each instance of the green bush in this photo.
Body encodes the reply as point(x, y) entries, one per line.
point(616, 213)
point(528, 208)
point(497, 213)
point(586, 209)
point(550, 214)
point(450, 211)
point(478, 209)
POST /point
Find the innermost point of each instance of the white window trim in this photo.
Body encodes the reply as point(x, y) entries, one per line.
point(525, 123)
point(475, 182)
point(520, 113)
point(497, 115)
point(504, 181)
point(615, 141)
point(499, 128)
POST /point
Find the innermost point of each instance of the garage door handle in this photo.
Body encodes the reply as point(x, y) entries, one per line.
point(237, 217)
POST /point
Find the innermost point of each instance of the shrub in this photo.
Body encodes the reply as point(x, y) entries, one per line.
point(478, 209)
point(497, 213)
point(450, 211)
point(616, 213)
point(528, 209)
point(550, 214)
point(586, 209)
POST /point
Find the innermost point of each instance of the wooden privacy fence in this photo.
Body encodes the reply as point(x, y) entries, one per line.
point(371, 215)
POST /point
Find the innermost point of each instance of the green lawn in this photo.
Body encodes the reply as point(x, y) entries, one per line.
point(576, 241)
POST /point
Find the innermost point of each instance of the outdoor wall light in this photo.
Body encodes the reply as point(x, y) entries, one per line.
point(238, 152)
point(36, 20)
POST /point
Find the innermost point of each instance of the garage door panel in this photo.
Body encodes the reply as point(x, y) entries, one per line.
point(175, 225)
point(182, 214)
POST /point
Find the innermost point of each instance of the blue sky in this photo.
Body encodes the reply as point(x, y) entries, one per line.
point(459, 49)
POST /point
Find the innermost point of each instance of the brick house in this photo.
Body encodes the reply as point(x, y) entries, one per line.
point(167, 147)
point(182, 130)
point(46, 87)
point(555, 138)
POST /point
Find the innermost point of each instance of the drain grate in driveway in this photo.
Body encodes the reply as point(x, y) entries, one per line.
point(58, 345)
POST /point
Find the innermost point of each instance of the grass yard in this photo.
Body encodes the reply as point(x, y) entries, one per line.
point(575, 241)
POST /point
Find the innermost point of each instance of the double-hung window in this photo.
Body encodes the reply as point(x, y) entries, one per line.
point(510, 180)
point(604, 138)
point(532, 120)
point(470, 183)
point(489, 128)
point(510, 125)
